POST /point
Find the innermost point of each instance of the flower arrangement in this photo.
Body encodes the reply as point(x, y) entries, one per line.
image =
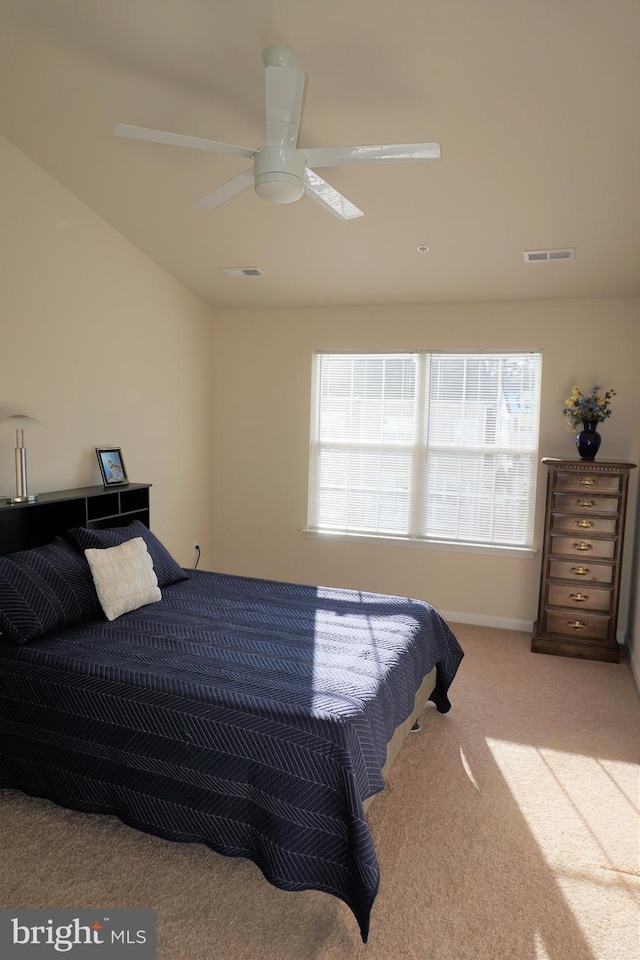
point(594, 406)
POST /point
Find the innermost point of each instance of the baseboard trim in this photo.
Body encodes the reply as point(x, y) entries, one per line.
point(503, 623)
point(479, 620)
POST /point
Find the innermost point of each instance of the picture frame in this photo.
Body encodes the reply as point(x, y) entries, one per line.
point(112, 466)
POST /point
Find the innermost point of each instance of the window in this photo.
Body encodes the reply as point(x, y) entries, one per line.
point(426, 446)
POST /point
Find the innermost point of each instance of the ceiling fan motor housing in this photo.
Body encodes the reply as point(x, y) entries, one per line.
point(279, 174)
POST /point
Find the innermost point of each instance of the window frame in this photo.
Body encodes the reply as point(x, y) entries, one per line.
point(422, 449)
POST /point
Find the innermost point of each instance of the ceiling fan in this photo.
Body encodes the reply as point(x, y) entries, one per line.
point(282, 172)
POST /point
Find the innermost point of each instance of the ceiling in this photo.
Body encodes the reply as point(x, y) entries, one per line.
point(534, 104)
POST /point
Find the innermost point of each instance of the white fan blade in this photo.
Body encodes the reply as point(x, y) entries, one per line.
point(225, 191)
point(329, 198)
point(283, 100)
point(178, 140)
point(386, 153)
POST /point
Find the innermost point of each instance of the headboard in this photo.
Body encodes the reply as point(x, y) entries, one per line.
point(26, 525)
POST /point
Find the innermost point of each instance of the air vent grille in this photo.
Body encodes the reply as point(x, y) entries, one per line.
point(243, 271)
point(543, 256)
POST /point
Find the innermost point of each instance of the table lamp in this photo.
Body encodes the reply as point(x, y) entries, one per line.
point(18, 422)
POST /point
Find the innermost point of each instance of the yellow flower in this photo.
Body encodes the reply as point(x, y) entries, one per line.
point(594, 406)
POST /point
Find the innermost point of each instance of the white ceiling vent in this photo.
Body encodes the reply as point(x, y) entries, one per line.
point(543, 256)
point(243, 271)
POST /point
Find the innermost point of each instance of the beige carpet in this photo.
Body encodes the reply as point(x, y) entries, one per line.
point(509, 831)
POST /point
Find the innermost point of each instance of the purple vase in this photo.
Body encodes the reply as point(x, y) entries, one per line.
point(588, 440)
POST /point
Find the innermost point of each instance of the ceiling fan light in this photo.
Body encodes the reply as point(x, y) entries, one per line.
point(278, 187)
point(278, 56)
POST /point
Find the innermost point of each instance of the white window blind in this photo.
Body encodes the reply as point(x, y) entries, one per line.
point(428, 446)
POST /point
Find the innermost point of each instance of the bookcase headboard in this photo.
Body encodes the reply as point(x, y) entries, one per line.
point(26, 525)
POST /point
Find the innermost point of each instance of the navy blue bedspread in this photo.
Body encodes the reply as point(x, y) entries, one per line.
point(248, 715)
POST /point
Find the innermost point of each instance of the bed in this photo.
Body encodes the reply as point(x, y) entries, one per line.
point(253, 716)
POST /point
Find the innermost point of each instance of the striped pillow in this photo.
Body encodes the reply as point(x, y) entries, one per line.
point(166, 568)
point(44, 589)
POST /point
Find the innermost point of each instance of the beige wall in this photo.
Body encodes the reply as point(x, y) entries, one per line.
point(262, 368)
point(105, 348)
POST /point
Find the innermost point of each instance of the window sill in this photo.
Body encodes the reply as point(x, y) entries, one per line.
point(488, 549)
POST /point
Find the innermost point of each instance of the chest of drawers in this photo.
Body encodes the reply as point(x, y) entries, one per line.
point(582, 556)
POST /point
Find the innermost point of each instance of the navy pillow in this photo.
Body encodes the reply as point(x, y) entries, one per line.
point(166, 569)
point(44, 589)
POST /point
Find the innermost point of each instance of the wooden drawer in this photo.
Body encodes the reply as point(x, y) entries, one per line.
point(584, 525)
point(585, 504)
point(582, 627)
point(580, 597)
point(589, 482)
point(581, 572)
point(582, 547)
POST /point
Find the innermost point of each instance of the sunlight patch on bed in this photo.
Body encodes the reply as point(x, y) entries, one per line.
point(332, 688)
point(354, 629)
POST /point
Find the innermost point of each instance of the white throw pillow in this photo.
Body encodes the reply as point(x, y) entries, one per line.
point(124, 577)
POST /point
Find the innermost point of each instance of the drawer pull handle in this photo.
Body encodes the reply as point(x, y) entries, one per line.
point(585, 502)
point(582, 546)
point(579, 597)
point(581, 571)
point(584, 524)
point(576, 625)
point(588, 482)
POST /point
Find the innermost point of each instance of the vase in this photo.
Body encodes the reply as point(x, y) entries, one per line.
point(588, 440)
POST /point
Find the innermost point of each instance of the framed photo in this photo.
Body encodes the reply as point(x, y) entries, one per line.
point(111, 466)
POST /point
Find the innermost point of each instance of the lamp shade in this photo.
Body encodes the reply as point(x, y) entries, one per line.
point(20, 421)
